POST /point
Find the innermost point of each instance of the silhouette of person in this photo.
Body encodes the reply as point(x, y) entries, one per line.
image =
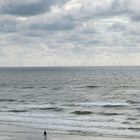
point(45, 135)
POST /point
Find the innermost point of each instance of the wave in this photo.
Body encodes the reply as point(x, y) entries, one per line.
point(56, 88)
point(138, 123)
point(64, 124)
point(138, 108)
point(134, 128)
point(126, 123)
point(90, 86)
point(113, 86)
point(51, 108)
point(132, 119)
point(110, 114)
point(21, 101)
point(44, 87)
point(44, 107)
point(99, 104)
point(82, 112)
point(29, 87)
point(133, 102)
point(17, 111)
point(114, 106)
point(128, 86)
point(7, 100)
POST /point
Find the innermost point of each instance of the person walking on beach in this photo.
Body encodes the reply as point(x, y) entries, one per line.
point(45, 135)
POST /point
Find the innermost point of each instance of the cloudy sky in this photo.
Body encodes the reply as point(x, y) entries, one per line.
point(69, 32)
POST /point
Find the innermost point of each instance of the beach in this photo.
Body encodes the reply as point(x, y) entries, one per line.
point(58, 137)
point(19, 133)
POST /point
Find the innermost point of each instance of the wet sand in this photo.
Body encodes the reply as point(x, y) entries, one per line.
point(66, 137)
point(19, 133)
point(59, 137)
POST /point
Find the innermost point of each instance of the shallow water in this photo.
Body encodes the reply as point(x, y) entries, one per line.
point(99, 101)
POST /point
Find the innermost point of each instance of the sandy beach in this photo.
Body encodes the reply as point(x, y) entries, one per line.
point(58, 137)
point(8, 132)
point(66, 137)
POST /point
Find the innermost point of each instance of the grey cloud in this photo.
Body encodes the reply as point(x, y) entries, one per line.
point(27, 7)
point(88, 30)
point(56, 24)
point(117, 27)
point(135, 17)
point(110, 9)
point(119, 7)
point(122, 7)
point(8, 25)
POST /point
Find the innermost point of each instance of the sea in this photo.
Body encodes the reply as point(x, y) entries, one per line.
point(91, 101)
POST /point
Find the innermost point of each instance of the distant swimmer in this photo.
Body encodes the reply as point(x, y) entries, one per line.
point(45, 135)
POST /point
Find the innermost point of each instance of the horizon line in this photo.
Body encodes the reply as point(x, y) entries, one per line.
point(70, 66)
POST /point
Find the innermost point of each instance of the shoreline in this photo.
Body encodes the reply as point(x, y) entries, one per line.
point(9, 132)
point(58, 137)
point(78, 137)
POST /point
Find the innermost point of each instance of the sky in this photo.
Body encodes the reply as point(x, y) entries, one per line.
point(69, 32)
